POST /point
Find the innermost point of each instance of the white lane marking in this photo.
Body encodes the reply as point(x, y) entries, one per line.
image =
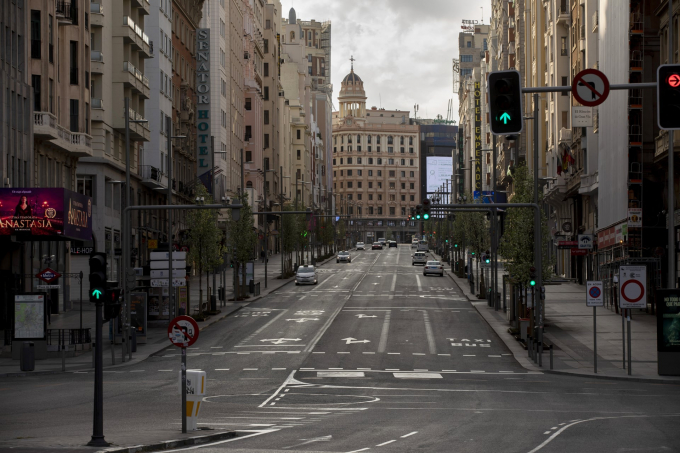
point(368, 352)
point(221, 369)
point(394, 285)
point(469, 355)
point(303, 297)
point(277, 369)
point(254, 433)
point(357, 451)
point(250, 369)
point(428, 330)
point(164, 370)
point(420, 286)
point(408, 375)
point(409, 434)
point(263, 328)
point(393, 353)
point(340, 374)
point(418, 353)
point(445, 354)
point(386, 443)
point(385, 329)
point(547, 432)
point(215, 347)
point(318, 352)
point(276, 393)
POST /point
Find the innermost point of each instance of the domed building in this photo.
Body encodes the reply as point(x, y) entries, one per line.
point(376, 166)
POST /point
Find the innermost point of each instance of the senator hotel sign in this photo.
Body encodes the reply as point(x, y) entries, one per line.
point(204, 166)
point(478, 136)
point(45, 214)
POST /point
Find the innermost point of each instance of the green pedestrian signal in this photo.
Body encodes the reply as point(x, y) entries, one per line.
point(96, 294)
point(505, 118)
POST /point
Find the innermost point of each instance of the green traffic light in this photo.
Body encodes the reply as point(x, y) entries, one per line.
point(488, 261)
point(418, 216)
point(426, 216)
point(473, 253)
point(505, 118)
point(532, 282)
point(455, 245)
point(96, 293)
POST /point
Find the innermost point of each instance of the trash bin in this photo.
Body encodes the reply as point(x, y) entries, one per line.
point(251, 286)
point(27, 359)
point(523, 327)
point(213, 303)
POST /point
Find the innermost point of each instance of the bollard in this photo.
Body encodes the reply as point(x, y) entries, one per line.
point(195, 391)
point(551, 357)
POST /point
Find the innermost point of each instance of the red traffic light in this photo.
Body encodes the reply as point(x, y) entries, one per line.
point(673, 80)
point(532, 269)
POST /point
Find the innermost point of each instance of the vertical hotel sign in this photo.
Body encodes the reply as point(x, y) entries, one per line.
point(204, 164)
point(461, 160)
point(478, 136)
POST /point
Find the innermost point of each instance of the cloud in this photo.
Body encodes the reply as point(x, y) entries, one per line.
point(403, 48)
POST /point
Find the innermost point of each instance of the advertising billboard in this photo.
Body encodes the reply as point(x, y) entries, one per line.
point(439, 169)
point(668, 320)
point(45, 213)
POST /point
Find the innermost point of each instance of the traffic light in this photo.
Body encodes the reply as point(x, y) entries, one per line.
point(532, 276)
point(668, 96)
point(455, 245)
point(419, 212)
point(112, 305)
point(97, 276)
point(505, 102)
point(426, 208)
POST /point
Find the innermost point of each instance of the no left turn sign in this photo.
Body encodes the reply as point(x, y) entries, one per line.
point(633, 289)
point(590, 87)
point(183, 331)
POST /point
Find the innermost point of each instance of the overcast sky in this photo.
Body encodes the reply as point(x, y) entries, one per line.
point(403, 48)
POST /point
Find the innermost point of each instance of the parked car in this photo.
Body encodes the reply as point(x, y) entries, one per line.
point(306, 275)
point(393, 243)
point(419, 258)
point(377, 246)
point(361, 246)
point(343, 256)
point(434, 267)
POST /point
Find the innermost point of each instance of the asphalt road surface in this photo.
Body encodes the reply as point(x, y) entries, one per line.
point(376, 357)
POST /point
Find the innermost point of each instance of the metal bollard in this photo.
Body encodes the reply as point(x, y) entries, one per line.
point(551, 357)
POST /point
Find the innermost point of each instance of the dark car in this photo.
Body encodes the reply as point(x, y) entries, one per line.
point(393, 243)
point(376, 246)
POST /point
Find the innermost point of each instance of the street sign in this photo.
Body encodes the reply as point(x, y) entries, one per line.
point(590, 87)
point(594, 294)
point(48, 275)
point(153, 244)
point(160, 256)
point(581, 116)
point(163, 282)
point(635, 217)
point(578, 252)
point(164, 264)
point(585, 241)
point(183, 331)
point(567, 244)
point(163, 273)
point(633, 287)
point(48, 286)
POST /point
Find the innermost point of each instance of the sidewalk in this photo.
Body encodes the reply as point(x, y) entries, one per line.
point(157, 337)
point(569, 327)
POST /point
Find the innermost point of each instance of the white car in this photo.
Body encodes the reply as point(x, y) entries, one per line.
point(414, 244)
point(434, 267)
point(419, 258)
point(306, 275)
point(343, 256)
point(361, 246)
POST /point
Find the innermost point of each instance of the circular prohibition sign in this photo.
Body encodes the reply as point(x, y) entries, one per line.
point(594, 292)
point(183, 331)
point(623, 291)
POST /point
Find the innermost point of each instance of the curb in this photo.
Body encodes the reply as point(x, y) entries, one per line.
point(167, 444)
point(615, 378)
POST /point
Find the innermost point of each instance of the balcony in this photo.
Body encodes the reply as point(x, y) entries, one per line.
point(76, 144)
point(96, 62)
point(45, 126)
point(563, 16)
point(133, 34)
point(565, 135)
point(67, 13)
point(143, 4)
point(138, 131)
point(97, 109)
point(133, 78)
point(96, 14)
point(152, 177)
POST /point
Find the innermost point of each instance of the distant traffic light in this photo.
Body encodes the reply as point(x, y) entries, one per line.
point(505, 102)
point(97, 276)
point(419, 212)
point(668, 96)
point(426, 208)
point(455, 245)
point(532, 276)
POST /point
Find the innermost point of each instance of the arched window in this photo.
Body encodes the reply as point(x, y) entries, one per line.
point(249, 185)
point(292, 36)
point(358, 138)
point(390, 141)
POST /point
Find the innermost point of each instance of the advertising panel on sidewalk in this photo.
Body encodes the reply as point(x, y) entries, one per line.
point(45, 214)
point(668, 320)
point(29, 317)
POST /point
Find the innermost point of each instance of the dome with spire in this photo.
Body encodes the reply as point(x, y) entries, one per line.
point(352, 77)
point(292, 17)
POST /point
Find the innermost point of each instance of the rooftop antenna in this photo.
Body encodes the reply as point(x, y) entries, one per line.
point(482, 8)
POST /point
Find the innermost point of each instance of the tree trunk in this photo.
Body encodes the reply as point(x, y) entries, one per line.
point(200, 290)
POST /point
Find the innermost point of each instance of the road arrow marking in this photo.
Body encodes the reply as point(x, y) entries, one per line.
point(303, 319)
point(354, 340)
point(366, 316)
point(282, 340)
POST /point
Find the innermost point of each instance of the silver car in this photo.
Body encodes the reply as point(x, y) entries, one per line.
point(361, 246)
point(343, 256)
point(306, 275)
point(419, 258)
point(434, 267)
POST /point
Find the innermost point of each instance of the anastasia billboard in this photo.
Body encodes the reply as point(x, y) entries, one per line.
point(45, 214)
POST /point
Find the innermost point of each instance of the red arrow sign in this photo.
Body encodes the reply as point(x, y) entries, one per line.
point(674, 80)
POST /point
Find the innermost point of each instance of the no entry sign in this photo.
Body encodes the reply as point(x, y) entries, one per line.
point(594, 294)
point(590, 87)
point(183, 331)
point(633, 287)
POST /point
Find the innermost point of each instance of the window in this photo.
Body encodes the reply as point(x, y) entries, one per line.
point(266, 69)
point(335, 150)
point(73, 47)
point(410, 141)
point(377, 140)
point(466, 58)
point(380, 210)
point(401, 140)
point(298, 134)
point(370, 186)
point(266, 141)
point(469, 44)
point(358, 138)
point(349, 196)
point(563, 46)
point(392, 210)
point(465, 72)
point(390, 161)
point(369, 148)
point(266, 93)
point(403, 186)
point(390, 149)
point(349, 148)
point(377, 149)
point(266, 117)
point(392, 173)
point(413, 198)
point(85, 186)
point(342, 149)
point(249, 133)
point(342, 173)
point(349, 139)
point(358, 184)
point(403, 198)
point(379, 172)
point(380, 187)
point(370, 172)
point(73, 107)
point(359, 163)
point(334, 174)
point(370, 210)
point(222, 28)
point(412, 186)
point(359, 195)
point(370, 162)
point(392, 185)
point(35, 81)
point(390, 140)
point(410, 150)
point(266, 41)
point(248, 104)
point(412, 174)
point(349, 184)
point(564, 83)
point(403, 174)
point(341, 161)
point(349, 172)
point(358, 148)
point(379, 162)
point(402, 150)
point(224, 119)
point(299, 156)
point(249, 156)
point(410, 162)
point(333, 161)
point(36, 43)
point(349, 160)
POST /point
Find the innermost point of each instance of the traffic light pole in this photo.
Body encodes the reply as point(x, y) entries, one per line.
point(671, 176)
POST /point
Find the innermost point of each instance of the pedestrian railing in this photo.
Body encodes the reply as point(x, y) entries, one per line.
point(65, 337)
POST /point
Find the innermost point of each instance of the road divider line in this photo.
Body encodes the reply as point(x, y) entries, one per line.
point(386, 443)
point(428, 330)
point(385, 330)
point(281, 387)
point(394, 285)
point(409, 434)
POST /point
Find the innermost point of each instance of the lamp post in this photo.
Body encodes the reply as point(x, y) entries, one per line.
point(266, 226)
point(126, 225)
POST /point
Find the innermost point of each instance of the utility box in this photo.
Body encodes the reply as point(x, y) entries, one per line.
point(27, 360)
